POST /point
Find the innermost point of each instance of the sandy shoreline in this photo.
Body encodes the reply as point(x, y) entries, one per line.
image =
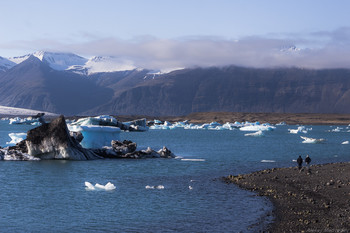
point(304, 202)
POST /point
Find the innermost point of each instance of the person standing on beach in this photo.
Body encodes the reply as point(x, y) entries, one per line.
point(307, 161)
point(300, 162)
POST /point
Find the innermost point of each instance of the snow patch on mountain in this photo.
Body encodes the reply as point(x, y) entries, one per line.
point(11, 111)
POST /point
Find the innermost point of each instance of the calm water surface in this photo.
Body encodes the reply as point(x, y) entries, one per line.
point(42, 196)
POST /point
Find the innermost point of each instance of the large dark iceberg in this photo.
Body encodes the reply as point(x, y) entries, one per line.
point(54, 141)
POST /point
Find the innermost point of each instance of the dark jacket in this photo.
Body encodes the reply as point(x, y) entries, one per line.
point(300, 161)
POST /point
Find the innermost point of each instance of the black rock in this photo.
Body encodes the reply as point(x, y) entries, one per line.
point(53, 141)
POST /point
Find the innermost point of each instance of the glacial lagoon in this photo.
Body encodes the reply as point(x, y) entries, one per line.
point(44, 196)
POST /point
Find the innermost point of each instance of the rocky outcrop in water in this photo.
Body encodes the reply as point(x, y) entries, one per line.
point(127, 150)
point(54, 141)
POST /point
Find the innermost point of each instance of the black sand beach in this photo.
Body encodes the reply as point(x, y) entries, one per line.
point(315, 201)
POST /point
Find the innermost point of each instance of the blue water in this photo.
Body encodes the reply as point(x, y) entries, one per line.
point(46, 196)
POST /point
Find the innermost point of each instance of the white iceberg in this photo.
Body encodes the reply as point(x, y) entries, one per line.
point(312, 140)
point(193, 160)
point(99, 120)
point(256, 134)
point(154, 187)
point(300, 129)
point(97, 136)
point(16, 138)
point(257, 127)
point(337, 130)
point(268, 161)
point(345, 143)
point(109, 186)
point(28, 120)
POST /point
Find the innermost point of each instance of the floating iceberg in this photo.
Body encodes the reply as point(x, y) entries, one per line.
point(97, 136)
point(154, 187)
point(254, 127)
point(193, 160)
point(312, 140)
point(337, 130)
point(99, 120)
point(16, 138)
point(256, 134)
point(109, 186)
point(105, 120)
point(345, 143)
point(300, 129)
point(268, 161)
point(281, 123)
point(27, 121)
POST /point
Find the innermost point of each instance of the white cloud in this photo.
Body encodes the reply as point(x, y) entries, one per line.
point(318, 50)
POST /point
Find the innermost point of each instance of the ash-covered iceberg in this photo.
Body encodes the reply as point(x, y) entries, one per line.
point(53, 141)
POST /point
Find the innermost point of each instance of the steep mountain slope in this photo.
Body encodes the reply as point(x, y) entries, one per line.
point(5, 64)
point(33, 84)
point(49, 82)
point(235, 89)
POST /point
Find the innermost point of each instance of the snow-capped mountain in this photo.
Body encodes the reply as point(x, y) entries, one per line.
point(57, 61)
point(5, 64)
point(78, 64)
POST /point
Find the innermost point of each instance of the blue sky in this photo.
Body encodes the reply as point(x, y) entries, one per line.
point(197, 32)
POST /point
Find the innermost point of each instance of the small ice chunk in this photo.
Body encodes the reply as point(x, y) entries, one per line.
point(89, 186)
point(256, 134)
point(154, 187)
point(312, 140)
point(345, 143)
point(193, 160)
point(107, 187)
point(268, 161)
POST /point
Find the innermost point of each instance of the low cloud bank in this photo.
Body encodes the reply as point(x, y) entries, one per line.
point(314, 50)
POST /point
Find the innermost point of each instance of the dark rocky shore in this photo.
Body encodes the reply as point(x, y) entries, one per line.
point(317, 200)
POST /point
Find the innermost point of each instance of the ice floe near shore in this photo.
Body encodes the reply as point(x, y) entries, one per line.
point(268, 161)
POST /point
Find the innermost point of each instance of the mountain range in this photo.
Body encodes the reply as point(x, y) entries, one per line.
point(69, 84)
